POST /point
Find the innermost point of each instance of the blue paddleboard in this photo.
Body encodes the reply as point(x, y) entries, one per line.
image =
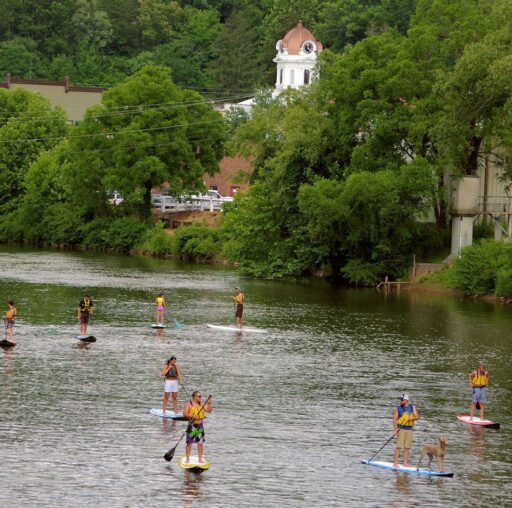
point(169, 415)
point(402, 469)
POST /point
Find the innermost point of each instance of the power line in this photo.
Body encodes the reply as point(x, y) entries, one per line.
point(130, 109)
point(103, 134)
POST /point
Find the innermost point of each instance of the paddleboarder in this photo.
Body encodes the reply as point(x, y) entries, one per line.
point(172, 375)
point(9, 316)
point(239, 306)
point(404, 417)
point(160, 309)
point(479, 381)
point(85, 308)
point(194, 411)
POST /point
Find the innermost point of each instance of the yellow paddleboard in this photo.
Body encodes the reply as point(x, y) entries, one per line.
point(193, 463)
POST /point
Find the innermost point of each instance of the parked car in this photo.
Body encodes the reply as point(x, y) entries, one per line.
point(116, 199)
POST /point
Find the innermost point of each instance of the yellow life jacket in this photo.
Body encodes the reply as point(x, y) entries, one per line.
point(480, 379)
point(196, 413)
point(86, 304)
point(406, 419)
point(10, 313)
point(239, 298)
point(160, 301)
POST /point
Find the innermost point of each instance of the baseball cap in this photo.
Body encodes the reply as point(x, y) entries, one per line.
point(404, 396)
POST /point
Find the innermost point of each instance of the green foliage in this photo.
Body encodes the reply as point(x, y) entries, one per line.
point(123, 234)
point(196, 243)
point(504, 283)
point(476, 271)
point(157, 241)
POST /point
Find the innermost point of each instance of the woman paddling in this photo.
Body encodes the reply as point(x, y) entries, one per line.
point(9, 320)
point(172, 375)
point(194, 411)
point(160, 309)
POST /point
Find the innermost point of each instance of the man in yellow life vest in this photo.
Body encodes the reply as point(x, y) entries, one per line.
point(84, 310)
point(479, 381)
point(194, 411)
point(239, 307)
point(404, 417)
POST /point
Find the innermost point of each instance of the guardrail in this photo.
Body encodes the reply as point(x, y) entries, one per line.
point(172, 204)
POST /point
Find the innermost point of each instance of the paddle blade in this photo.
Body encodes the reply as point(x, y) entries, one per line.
point(178, 325)
point(170, 454)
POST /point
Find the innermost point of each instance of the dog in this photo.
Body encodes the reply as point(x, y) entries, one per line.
point(432, 450)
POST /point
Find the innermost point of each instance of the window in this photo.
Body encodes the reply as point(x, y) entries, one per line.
point(281, 77)
point(306, 77)
point(214, 187)
point(292, 77)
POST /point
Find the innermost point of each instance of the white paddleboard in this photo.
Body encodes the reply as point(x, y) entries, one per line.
point(402, 469)
point(478, 421)
point(157, 326)
point(171, 415)
point(246, 329)
point(86, 338)
point(193, 463)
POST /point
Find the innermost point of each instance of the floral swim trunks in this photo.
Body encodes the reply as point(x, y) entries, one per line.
point(195, 434)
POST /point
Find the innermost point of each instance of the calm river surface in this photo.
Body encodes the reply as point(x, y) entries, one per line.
point(295, 410)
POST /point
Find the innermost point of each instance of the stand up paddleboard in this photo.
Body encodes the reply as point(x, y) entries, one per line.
point(86, 338)
point(193, 464)
point(402, 469)
point(478, 421)
point(245, 329)
point(7, 344)
point(158, 326)
point(170, 415)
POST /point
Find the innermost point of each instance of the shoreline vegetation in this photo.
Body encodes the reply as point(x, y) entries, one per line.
point(349, 173)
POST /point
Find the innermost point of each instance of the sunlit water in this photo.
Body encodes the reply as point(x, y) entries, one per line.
point(295, 410)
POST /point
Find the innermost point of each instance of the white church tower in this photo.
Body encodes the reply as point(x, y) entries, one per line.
point(296, 58)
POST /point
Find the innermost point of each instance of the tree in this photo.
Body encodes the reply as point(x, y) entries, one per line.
point(28, 127)
point(146, 131)
point(238, 66)
point(20, 58)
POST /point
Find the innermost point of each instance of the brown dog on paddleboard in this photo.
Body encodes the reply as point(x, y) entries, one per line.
point(432, 451)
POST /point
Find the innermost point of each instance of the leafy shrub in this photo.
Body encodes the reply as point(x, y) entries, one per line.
point(62, 224)
point(504, 283)
point(196, 242)
point(123, 234)
point(157, 241)
point(94, 231)
point(475, 272)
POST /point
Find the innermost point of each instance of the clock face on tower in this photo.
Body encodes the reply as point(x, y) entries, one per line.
point(308, 47)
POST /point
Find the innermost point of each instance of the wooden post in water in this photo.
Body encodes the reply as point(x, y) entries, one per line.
point(386, 283)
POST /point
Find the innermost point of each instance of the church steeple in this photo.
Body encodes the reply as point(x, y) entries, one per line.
point(296, 58)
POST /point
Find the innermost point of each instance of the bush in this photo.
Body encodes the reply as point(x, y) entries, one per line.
point(123, 234)
point(157, 241)
point(196, 242)
point(504, 283)
point(94, 231)
point(475, 272)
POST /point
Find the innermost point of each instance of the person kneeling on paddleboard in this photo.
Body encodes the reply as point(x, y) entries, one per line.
point(479, 381)
point(194, 411)
point(404, 417)
point(172, 375)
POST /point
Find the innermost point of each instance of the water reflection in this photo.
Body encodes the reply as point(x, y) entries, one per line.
point(192, 481)
point(477, 441)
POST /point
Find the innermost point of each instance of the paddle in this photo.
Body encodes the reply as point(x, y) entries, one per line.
point(178, 325)
point(170, 454)
point(379, 450)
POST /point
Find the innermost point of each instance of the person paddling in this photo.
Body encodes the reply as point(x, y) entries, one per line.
point(172, 375)
point(9, 316)
point(404, 417)
point(479, 381)
point(194, 411)
point(239, 307)
point(160, 309)
point(84, 311)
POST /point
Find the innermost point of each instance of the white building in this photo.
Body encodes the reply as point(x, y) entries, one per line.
point(296, 57)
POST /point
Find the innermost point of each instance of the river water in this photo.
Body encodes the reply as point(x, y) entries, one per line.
point(295, 410)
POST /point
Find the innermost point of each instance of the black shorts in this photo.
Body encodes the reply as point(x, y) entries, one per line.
point(84, 318)
point(239, 310)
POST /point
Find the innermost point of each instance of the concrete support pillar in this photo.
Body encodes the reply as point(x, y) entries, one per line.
point(462, 234)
